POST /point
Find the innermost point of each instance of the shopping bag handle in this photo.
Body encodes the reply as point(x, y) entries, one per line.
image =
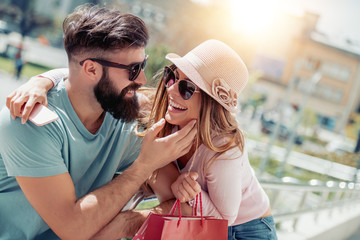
point(194, 212)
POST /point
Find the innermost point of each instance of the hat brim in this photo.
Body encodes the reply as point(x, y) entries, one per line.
point(189, 70)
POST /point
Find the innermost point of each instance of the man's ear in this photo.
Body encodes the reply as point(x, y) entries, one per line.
point(92, 70)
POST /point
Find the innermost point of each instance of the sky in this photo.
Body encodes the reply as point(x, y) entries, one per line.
point(337, 17)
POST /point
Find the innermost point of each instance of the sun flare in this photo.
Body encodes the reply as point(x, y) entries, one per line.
point(252, 16)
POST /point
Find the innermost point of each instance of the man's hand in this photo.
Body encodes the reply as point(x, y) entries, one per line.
point(157, 152)
point(23, 99)
point(185, 188)
point(126, 224)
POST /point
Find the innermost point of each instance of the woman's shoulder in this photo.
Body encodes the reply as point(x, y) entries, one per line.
point(220, 139)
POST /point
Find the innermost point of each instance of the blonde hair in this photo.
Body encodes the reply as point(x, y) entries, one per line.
point(214, 121)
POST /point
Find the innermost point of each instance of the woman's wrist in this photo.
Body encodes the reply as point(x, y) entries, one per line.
point(47, 83)
point(42, 82)
point(55, 75)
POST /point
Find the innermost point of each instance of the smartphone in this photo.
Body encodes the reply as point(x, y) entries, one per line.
point(41, 115)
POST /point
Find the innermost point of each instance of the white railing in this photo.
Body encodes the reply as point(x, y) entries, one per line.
point(289, 201)
point(307, 162)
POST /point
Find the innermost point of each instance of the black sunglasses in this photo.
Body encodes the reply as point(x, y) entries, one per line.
point(185, 87)
point(134, 68)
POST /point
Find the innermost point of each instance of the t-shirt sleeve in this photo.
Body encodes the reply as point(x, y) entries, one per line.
point(29, 150)
point(224, 186)
point(132, 147)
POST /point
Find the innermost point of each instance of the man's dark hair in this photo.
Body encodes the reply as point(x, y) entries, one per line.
point(96, 29)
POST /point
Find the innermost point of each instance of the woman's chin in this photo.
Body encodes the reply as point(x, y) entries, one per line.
point(171, 120)
point(168, 118)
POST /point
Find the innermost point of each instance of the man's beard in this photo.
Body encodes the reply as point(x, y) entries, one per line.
point(125, 109)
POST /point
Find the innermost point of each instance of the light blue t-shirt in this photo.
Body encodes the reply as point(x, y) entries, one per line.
point(61, 146)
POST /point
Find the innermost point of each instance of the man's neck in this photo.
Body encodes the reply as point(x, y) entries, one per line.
point(86, 106)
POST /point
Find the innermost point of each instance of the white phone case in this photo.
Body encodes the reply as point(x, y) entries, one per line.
point(41, 115)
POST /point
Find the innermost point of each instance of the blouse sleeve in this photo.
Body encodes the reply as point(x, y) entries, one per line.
point(56, 75)
point(224, 185)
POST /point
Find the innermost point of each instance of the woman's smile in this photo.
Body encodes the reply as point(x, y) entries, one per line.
point(175, 106)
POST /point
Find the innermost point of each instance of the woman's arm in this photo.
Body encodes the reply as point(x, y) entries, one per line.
point(55, 75)
point(223, 180)
point(23, 99)
point(161, 180)
point(224, 186)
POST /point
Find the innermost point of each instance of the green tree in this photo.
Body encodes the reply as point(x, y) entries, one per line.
point(156, 62)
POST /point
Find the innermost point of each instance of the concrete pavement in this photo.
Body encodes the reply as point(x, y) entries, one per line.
point(8, 83)
point(341, 223)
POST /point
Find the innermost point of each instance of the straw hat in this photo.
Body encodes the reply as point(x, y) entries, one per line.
point(216, 69)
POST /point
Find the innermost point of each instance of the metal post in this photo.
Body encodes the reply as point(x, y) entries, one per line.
point(350, 104)
point(274, 197)
point(324, 197)
point(336, 201)
point(314, 80)
point(357, 150)
point(282, 105)
point(301, 206)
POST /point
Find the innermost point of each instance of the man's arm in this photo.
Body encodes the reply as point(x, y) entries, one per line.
point(126, 224)
point(71, 218)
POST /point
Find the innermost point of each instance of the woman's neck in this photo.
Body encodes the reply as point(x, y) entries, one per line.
point(183, 160)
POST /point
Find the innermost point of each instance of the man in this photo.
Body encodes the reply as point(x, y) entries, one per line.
point(56, 179)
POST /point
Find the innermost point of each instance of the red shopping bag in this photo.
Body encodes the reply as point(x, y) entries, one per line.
point(171, 227)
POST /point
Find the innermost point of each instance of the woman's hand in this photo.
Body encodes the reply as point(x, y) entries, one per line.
point(185, 188)
point(23, 99)
point(156, 152)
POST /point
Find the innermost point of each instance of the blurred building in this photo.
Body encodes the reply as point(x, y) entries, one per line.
point(155, 13)
point(183, 24)
point(176, 23)
point(336, 95)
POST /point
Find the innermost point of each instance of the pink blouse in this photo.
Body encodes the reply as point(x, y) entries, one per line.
point(230, 189)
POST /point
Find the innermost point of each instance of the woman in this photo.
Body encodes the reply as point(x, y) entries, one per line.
point(205, 85)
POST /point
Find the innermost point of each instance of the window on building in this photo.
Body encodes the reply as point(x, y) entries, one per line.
point(328, 93)
point(302, 85)
point(272, 67)
point(344, 74)
point(337, 96)
point(336, 71)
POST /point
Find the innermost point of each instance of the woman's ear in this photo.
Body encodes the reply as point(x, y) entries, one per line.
point(92, 70)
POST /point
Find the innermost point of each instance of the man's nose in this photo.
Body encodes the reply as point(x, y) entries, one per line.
point(141, 79)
